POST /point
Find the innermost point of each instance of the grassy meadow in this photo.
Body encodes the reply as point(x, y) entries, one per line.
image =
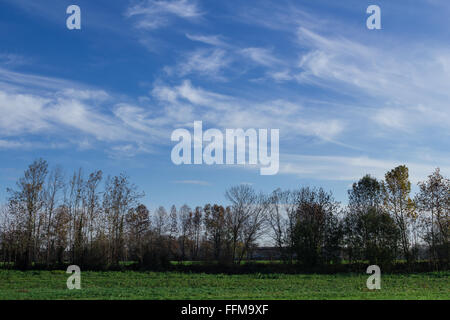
point(172, 285)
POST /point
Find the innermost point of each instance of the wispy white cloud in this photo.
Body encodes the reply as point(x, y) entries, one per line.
point(84, 94)
point(405, 90)
point(11, 59)
point(29, 145)
point(7, 144)
point(223, 111)
point(205, 62)
point(261, 56)
point(22, 113)
point(194, 95)
point(33, 106)
point(131, 129)
point(348, 168)
point(390, 91)
point(227, 57)
point(127, 150)
point(281, 76)
point(154, 14)
point(283, 17)
point(32, 82)
point(26, 113)
point(214, 40)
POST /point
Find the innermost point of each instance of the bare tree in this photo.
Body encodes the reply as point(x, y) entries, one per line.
point(434, 200)
point(173, 229)
point(8, 236)
point(196, 231)
point(215, 228)
point(185, 229)
point(138, 222)
point(160, 223)
point(92, 202)
point(281, 219)
point(55, 185)
point(62, 232)
point(247, 219)
point(26, 203)
point(74, 204)
point(119, 197)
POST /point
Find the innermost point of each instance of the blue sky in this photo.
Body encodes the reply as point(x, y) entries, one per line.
point(347, 100)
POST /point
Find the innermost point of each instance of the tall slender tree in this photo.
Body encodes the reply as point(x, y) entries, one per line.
point(434, 200)
point(26, 203)
point(398, 203)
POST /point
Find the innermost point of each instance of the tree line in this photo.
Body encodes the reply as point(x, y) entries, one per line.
point(50, 220)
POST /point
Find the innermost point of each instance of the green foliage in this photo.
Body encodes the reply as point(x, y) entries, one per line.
point(317, 232)
point(370, 232)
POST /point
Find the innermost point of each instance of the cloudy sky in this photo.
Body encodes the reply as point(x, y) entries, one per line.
point(347, 100)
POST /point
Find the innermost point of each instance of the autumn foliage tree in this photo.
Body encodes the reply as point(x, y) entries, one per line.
point(398, 203)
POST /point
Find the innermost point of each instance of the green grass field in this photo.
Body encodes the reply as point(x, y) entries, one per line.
point(170, 285)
